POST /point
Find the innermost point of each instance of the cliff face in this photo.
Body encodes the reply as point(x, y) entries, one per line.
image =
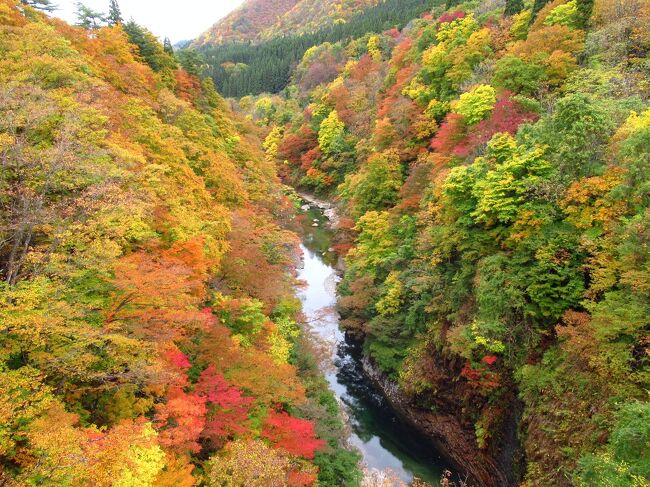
point(453, 440)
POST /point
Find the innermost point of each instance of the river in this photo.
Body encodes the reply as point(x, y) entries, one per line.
point(384, 441)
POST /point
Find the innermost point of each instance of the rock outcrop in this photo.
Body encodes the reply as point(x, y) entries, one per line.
point(449, 437)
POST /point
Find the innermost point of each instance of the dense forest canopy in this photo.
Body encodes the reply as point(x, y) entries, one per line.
point(490, 163)
point(256, 20)
point(148, 331)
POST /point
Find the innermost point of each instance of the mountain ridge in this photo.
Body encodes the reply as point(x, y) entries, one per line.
point(257, 20)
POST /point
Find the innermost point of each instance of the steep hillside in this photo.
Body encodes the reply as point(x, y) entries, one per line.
point(242, 68)
point(148, 328)
point(490, 161)
point(248, 22)
point(311, 15)
point(492, 164)
point(256, 20)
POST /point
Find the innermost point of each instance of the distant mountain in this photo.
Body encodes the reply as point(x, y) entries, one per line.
point(263, 19)
point(240, 68)
point(184, 44)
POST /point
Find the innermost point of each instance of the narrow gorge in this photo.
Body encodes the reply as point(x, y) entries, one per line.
point(388, 446)
point(329, 243)
point(394, 435)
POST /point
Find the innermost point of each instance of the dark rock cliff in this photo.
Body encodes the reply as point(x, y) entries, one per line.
point(454, 440)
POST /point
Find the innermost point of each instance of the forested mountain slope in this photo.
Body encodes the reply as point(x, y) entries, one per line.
point(247, 23)
point(263, 19)
point(147, 315)
point(491, 163)
point(244, 68)
point(492, 160)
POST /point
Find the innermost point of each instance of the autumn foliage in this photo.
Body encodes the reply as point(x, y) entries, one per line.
point(294, 435)
point(140, 237)
point(490, 166)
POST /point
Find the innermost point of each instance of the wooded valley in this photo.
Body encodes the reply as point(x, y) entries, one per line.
point(490, 165)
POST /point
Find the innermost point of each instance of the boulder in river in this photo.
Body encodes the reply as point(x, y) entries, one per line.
point(328, 208)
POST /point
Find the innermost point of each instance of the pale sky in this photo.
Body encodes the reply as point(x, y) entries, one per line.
point(177, 19)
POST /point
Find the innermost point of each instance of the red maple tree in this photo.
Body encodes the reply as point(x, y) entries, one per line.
point(295, 435)
point(180, 420)
point(451, 16)
point(228, 408)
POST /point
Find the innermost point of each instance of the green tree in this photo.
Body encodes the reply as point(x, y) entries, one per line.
point(375, 243)
point(149, 47)
point(167, 46)
point(537, 6)
point(476, 104)
point(114, 13)
point(89, 18)
point(377, 185)
point(513, 7)
point(585, 8)
point(191, 61)
point(265, 109)
point(515, 74)
point(626, 459)
point(45, 5)
point(565, 14)
point(577, 133)
point(331, 135)
point(504, 188)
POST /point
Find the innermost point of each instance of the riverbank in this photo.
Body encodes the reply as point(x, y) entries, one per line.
point(445, 432)
point(329, 209)
point(388, 446)
point(442, 433)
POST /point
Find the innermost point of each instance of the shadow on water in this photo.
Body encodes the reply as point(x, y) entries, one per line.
point(384, 441)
